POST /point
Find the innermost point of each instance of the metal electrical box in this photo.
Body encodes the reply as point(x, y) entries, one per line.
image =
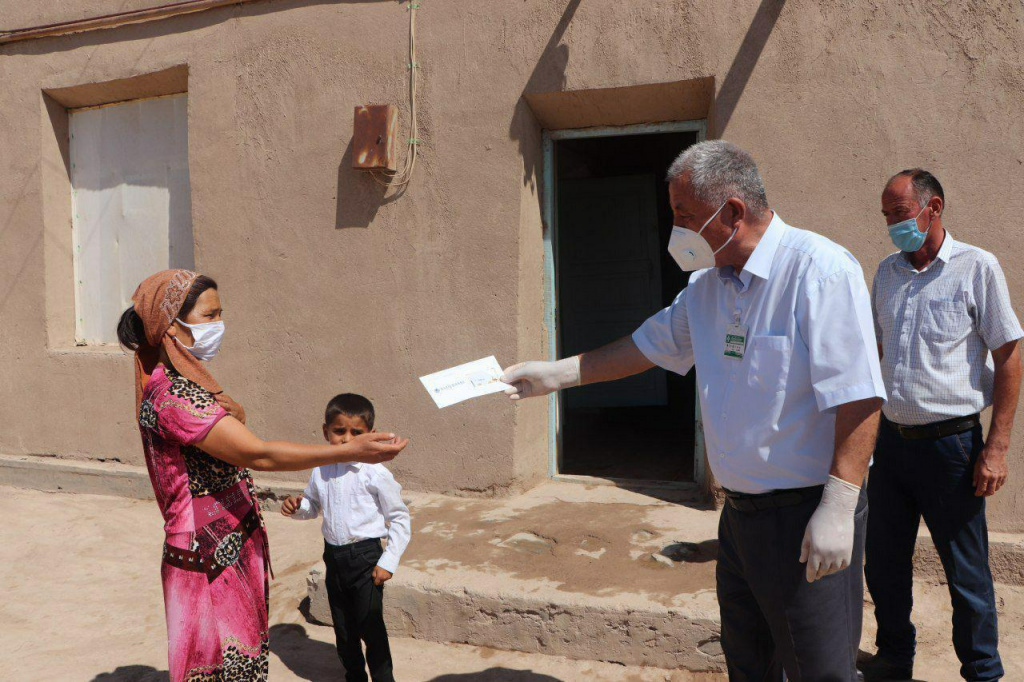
point(373, 140)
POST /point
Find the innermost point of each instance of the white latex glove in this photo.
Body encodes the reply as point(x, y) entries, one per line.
point(532, 379)
point(828, 540)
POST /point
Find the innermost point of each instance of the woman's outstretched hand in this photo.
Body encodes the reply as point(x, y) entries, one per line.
point(232, 442)
point(374, 448)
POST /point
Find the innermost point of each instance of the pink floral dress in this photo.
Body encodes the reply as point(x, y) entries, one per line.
point(215, 554)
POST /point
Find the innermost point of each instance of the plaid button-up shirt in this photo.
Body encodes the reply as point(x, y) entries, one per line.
point(936, 328)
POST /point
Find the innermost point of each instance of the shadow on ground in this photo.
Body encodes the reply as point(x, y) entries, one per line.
point(306, 658)
point(497, 675)
point(864, 657)
point(133, 673)
point(313, 660)
point(692, 552)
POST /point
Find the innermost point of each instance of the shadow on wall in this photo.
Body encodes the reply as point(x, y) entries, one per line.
point(743, 64)
point(547, 76)
point(359, 195)
point(133, 673)
point(497, 675)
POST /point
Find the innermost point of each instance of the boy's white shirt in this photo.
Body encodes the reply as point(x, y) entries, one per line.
point(356, 500)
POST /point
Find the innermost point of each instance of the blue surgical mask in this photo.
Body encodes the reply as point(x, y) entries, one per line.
point(906, 235)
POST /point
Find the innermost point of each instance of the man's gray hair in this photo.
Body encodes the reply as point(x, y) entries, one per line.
point(719, 170)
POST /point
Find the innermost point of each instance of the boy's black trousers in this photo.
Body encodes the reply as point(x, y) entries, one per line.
point(357, 608)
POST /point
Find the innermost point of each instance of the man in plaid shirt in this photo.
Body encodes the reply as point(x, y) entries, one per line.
point(948, 338)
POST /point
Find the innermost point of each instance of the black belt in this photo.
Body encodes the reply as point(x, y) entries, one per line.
point(353, 547)
point(771, 500)
point(936, 429)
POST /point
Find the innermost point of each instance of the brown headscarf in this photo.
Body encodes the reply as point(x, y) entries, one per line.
point(157, 302)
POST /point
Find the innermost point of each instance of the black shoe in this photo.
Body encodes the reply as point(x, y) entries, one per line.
point(878, 669)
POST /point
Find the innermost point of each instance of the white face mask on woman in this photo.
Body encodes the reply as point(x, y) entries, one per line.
point(206, 339)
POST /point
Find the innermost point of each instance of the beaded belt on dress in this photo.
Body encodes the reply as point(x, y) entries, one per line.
point(226, 553)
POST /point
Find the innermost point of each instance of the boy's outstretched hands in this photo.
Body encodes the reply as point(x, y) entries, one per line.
point(291, 505)
point(374, 448)
point(381, 576)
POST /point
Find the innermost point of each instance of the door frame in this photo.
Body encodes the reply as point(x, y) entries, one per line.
point(549, 213)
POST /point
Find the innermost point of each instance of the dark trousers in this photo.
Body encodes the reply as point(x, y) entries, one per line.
point(773, 620)
point(357, 608)
point(933, 479)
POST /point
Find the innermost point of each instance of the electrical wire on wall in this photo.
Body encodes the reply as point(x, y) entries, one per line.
point(402, 176)
point(122, 18)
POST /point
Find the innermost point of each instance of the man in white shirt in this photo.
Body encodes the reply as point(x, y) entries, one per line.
point(361, 503)
point(948, 338)
point(777, 321)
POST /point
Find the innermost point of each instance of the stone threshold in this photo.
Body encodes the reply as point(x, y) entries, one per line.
point(499, 611)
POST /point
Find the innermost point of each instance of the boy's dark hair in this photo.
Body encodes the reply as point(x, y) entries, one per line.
point(350, 405)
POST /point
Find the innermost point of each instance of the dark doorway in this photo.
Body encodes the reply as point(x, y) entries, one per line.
point(613, 272)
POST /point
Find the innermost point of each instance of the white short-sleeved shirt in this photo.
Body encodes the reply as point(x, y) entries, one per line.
point(937, 327)
point(769, 418)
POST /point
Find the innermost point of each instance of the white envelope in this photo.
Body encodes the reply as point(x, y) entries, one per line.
point(471, 380)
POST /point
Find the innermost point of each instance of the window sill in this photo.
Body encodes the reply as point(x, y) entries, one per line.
point(106, 350)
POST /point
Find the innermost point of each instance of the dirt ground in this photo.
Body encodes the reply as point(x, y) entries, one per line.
point(537, 540)
point(82, 601)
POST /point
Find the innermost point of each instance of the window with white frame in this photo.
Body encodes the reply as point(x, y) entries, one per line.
point(131, 205)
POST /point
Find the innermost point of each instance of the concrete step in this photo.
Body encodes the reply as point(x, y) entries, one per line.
point(1005, 558)
point(564, 569)
point(500, 611)
point(582, 573)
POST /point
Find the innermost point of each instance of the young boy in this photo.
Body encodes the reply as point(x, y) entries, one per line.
point(357, 500)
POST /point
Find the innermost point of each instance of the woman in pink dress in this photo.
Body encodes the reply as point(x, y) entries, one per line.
point(199, 452)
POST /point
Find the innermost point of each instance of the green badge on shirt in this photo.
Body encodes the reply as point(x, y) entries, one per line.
point(735, 341)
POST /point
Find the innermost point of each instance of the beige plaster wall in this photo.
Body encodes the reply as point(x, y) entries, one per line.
point(330, 287)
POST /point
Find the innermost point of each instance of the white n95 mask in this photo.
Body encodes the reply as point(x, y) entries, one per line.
point(690, 250)
point(206, 339)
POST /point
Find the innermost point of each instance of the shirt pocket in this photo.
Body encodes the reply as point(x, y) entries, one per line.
point(769, 363)
point(947, 321)
point(363, 506)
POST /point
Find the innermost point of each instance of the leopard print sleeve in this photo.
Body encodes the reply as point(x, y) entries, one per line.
point(183, 412)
